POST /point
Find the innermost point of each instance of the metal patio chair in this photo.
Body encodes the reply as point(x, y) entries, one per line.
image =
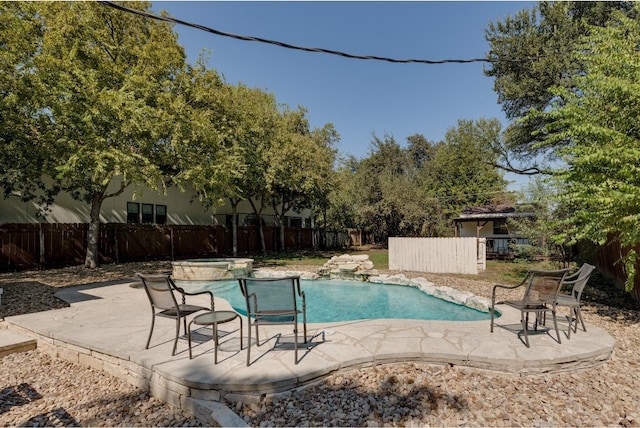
point(274, 301)
point(160, 291)
point(577, 281)
point(541, 290)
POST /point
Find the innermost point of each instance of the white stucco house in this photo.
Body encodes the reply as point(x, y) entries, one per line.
point(141, 205)
point(490, 222)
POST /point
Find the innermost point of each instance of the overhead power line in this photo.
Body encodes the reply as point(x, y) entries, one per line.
point(287, 45)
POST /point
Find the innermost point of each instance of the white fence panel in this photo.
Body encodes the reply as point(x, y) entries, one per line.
point(437, 255)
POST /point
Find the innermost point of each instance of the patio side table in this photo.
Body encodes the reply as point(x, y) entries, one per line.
point(213, 318)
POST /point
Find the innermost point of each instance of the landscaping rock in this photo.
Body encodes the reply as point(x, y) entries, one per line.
point(346, 266)
point(37, 390)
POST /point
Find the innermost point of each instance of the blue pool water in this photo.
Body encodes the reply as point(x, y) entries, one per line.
point(334, 300)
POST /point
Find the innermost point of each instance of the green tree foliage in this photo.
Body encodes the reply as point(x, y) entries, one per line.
point(419, 189)
point(206, 134)
point(299, 166)
point(596, 124)
point(101, 77)
point(255, 117)
point(540, 230)
point(462, 168)
point(21, 120)
point(530, 53)
point(378, 175)
point(339, 212)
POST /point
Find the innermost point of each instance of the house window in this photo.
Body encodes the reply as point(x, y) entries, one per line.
point(147, 213)
point(133, 212)
point(295, 222)
point(500, 227)
point(161, 214)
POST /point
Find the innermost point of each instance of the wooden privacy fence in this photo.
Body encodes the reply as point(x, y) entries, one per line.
point(607, 261)
point(45, 245)
point(437, 255)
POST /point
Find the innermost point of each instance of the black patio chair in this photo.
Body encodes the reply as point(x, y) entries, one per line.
point(274, 301)
point(541, 290)
point(160, 291)
point(577, 281)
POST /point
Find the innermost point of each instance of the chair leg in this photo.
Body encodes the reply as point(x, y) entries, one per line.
point(555, 324)
point(189, 339)
point(579, 317)
point(492, 310)
point(249, 345)
point(215, 343)
point(524, 319)
point(295, 343)
point(175, 341)
point(153, 321)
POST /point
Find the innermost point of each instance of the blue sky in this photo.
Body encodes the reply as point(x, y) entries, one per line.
point(359, 97)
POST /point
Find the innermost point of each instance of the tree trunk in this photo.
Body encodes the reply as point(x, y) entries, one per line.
point(279, 223)
point(323, 231)
point(314, 237)
point(280, 216)
point(234, 225)
point(635, 293)
point(281, 233)
point(263, 244)
point(91, 258)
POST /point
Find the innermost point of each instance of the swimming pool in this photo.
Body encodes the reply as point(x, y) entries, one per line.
point(335, 300)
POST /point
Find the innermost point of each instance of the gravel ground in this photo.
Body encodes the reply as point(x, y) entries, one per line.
point(408, 394)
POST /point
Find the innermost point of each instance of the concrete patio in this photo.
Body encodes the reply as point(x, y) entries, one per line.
point(107, 324)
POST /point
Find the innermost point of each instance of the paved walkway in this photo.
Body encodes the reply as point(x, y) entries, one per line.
point(107, 325)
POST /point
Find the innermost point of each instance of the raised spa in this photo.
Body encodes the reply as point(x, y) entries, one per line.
point(211, 269)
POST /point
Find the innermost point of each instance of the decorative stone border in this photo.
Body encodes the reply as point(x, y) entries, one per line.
point(442, 292)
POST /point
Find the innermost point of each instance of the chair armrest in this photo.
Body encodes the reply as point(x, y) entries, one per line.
point(184, 293)
point(573, 277)
point(496, 286)
point(568, 285)
point(506, 287)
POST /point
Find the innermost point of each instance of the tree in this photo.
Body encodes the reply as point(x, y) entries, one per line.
point(21, 120)
point(531, 53)
point(418, 190)
point(420, 150)
point(595, 124)
point(300, 165)
point(102, 78)
point(376, 180)
point(222, 129)
point(339, 211)
point(462, 171)
point(541, 229)
point(253, 116)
